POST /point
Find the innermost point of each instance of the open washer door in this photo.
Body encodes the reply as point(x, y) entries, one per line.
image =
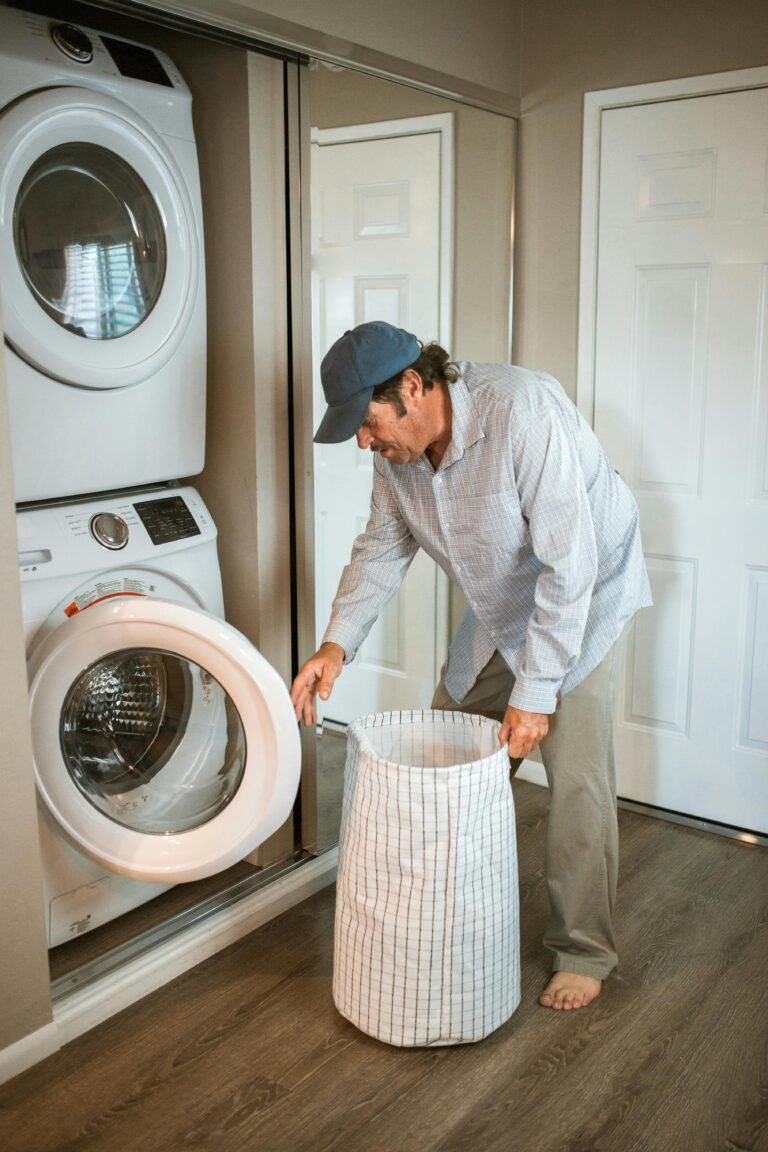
point(165, 745)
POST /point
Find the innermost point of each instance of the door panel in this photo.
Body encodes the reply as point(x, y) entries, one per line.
point(680, 405)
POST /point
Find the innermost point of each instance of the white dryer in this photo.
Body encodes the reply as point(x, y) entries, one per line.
point(101, 261)
point(165, 745)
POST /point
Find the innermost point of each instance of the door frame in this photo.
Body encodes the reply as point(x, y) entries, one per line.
point(595, 103)
point(443, 123)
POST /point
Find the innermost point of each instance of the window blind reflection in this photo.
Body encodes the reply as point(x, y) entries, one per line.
point(90, 241)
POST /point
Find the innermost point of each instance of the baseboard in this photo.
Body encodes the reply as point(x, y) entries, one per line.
point(86, 1007)
point(18, 1057)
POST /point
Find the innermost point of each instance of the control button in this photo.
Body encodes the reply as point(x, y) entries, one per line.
point(109, 530)
point(72, 42)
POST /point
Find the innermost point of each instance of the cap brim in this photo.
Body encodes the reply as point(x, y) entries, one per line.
point(342, 421)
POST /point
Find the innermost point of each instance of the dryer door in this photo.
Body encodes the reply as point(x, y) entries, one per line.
point(165, 745)
point(99, 239)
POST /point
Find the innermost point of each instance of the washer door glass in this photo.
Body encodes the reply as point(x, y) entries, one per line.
point(90, 240)
point(153, 741)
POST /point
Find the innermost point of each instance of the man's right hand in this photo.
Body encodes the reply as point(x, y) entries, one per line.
point(316, 675)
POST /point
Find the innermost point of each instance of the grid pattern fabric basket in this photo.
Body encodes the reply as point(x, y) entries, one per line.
point(426, 945)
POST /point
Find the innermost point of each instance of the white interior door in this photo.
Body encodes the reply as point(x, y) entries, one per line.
point(681, 405)
point(381, 241)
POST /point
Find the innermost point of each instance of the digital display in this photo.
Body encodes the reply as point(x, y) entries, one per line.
point(136, 62)
point(167, 520)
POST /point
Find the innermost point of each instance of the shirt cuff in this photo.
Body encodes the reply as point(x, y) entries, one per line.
point(344, 639)
point(534, 696)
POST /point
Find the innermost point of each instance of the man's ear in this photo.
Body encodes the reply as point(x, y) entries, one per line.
point(411, 385)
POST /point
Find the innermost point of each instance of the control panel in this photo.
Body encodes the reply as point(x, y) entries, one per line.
point(132, 60)
point(167, 520)
point(30, 40)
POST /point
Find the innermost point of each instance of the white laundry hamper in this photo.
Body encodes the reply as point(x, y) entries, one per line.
point(426, 943)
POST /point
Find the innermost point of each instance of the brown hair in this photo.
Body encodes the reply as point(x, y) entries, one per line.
point(433, 364)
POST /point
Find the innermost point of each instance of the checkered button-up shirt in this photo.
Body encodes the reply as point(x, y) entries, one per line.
point(526, 515)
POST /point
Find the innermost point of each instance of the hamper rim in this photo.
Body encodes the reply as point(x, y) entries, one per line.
point(363, 725)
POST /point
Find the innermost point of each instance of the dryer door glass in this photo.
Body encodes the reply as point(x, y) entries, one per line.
point(153, 741)
point(89, 240)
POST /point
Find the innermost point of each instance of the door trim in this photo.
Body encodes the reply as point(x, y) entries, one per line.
point(595, 103)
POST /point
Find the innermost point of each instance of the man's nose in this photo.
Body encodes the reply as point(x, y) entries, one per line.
point(364, 438)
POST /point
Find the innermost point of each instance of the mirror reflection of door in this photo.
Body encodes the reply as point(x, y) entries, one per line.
point(468, 311)
point(381, 250)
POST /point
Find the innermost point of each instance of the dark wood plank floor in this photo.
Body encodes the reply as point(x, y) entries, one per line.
point(246, 1052)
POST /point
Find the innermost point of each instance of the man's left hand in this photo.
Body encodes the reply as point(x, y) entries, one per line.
point(522, 731)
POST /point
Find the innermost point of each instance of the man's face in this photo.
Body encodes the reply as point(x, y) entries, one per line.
point(401, 439)
point(391, 435)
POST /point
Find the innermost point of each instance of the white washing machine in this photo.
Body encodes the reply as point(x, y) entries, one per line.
point(165, 745)
point(101, 261)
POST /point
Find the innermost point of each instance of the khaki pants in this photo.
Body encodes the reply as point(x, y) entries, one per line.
point(582, 836)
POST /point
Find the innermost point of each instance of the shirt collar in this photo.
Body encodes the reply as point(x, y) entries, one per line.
point(466, 428)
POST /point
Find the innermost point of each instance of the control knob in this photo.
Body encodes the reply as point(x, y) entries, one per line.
point(73, 42)
point(109, 530)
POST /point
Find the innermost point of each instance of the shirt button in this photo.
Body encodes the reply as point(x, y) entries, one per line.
point(438, 479)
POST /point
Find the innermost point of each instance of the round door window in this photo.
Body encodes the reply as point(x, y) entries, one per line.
point(89, 240)
point(153, 741)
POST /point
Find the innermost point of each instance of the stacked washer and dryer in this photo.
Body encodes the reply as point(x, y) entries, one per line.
point(165, 746)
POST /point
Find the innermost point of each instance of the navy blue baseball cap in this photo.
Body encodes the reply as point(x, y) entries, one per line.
point(357, 363)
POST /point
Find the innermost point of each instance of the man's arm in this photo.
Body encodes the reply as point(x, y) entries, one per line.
point(380, 558)
point(555, 502)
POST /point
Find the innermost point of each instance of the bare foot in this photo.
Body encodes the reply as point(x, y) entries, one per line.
point(567, 990)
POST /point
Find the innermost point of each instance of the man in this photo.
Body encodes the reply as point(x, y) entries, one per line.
point(493, 472)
